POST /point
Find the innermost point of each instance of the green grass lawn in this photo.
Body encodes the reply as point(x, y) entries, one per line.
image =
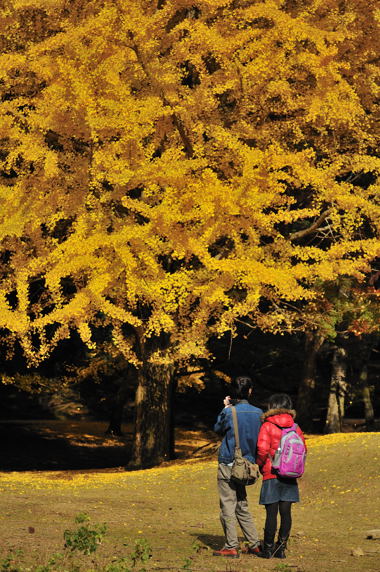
point(175, 508)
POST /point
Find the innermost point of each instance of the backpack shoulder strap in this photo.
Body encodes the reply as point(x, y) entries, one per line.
point(236, 426)
point(286, 430)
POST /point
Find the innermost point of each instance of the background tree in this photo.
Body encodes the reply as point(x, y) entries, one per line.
point(169, 167)
point(346, 318)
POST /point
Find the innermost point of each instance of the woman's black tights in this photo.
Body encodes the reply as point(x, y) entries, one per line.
point(284, 507)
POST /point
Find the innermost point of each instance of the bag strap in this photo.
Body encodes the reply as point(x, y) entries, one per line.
point(287, 429)
point(236, 426)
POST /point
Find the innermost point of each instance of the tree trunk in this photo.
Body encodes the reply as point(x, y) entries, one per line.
point(366, 394)
point(153, 440)
point(124, 389)
point(338, 386)
point(313, 343)
point(117, 411)
point(364, 346)
point(173, 391)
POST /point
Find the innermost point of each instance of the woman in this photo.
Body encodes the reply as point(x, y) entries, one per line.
point(277, 493)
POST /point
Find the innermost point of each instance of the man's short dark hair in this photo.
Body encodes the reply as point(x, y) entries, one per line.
point(240, 387)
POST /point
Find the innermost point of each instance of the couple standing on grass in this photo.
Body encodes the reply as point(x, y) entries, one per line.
point(260, 435)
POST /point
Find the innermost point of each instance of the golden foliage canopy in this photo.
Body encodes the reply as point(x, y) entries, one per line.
point(168, 165)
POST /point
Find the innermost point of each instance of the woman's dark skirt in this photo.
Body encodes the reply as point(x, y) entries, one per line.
point(275, 490)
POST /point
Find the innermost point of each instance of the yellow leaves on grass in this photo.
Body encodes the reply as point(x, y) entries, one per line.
point(77, 480)
point(336, 439)
point(176, 472)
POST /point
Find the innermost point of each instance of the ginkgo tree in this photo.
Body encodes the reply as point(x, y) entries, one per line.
point(169, 166)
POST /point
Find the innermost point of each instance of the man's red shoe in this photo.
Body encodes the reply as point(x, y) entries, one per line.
point(254, 551)
point(227, 553)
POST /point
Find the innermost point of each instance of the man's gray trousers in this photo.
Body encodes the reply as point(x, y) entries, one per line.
point(234, 507)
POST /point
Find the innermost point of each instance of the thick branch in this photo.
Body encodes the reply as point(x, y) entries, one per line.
point(182, 133)
point(177, 122)
point(312, 228)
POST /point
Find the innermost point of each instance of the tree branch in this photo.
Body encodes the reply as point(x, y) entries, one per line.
point(312, 228)
point(177, 121)
point(182, 132)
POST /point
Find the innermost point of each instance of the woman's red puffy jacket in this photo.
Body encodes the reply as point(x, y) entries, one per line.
point(270, 436)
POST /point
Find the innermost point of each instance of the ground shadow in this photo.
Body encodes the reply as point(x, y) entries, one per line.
point(52, 444)
point(60, 445)
point(213, 541)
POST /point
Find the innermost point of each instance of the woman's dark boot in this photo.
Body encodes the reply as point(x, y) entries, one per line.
point(279, 548)
point(267, 551)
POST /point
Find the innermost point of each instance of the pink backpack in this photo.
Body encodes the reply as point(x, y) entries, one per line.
point(289, 459)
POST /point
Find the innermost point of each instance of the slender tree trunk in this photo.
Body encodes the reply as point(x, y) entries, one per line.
point(153, 442)
point(364, 346)
point(313, 343)
point(172, 396)
point(118, 404)
point(366, 394)
point(338, 386)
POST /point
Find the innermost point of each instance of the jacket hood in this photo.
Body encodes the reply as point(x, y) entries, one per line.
point(281, 417)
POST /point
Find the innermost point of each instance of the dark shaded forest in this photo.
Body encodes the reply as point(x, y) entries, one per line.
point(92, 388)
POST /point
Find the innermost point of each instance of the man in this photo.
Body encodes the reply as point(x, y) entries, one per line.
point(233, 497)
